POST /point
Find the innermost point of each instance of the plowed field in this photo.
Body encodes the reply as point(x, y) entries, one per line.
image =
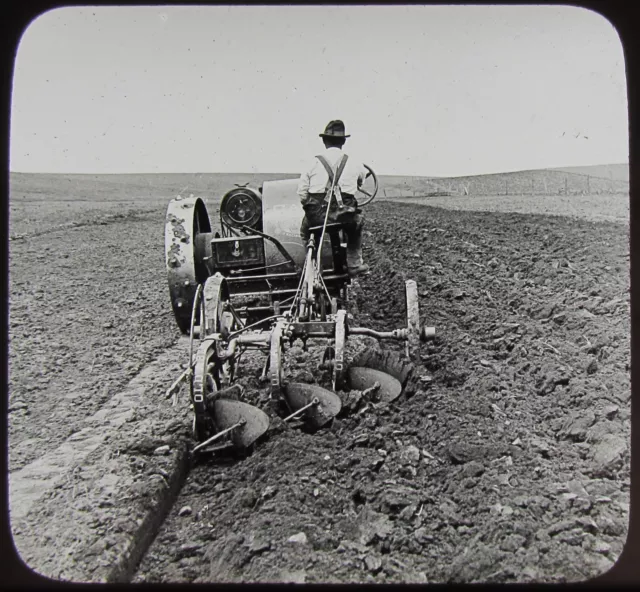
point(509, 462)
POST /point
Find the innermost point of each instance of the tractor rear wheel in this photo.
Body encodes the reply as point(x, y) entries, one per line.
point(187, 225)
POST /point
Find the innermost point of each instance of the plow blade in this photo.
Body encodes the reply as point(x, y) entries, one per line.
point(390, 363)
point(228, 413)
point(360, 378)
point(298, 395)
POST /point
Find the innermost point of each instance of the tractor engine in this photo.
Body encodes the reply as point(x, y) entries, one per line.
point(240, 212)
point(241, 207)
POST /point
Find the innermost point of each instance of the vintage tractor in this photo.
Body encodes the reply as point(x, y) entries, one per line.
point(254, 285)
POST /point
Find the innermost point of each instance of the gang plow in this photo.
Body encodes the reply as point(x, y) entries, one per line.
point(253, 285)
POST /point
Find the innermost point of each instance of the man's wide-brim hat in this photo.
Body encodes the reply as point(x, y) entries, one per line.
point(334, 129)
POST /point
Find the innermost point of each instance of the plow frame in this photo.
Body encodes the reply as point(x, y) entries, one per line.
point(306, 301)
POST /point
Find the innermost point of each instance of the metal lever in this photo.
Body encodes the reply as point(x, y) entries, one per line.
point(221, 447)
point(313, 403)
point(219, 435)
point(177, 381)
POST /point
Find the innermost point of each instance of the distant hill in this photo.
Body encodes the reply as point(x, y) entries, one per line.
point(570, 180)
point(613, 178)
point(617, 172)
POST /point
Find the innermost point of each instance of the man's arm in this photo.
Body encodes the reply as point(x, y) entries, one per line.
point(305, 182)
point(303, 187)
point(362, 176)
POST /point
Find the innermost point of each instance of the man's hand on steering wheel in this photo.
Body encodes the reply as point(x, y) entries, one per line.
point(370, 196)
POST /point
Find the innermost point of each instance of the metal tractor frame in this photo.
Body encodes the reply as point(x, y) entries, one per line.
point(255, 286)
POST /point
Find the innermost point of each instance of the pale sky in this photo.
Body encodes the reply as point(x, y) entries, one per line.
point(423, 90)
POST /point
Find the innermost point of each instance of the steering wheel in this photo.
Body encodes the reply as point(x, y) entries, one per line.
point(370, 196)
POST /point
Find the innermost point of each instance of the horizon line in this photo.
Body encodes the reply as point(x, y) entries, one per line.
point(550, 168)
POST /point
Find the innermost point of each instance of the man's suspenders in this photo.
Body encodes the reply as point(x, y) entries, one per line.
point(332, 185)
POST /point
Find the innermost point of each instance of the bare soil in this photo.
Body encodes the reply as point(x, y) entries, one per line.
point(599, 208)
point(88, 310)
point(509, 462)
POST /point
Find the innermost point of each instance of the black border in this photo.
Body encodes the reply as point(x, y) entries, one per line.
point(16, 17)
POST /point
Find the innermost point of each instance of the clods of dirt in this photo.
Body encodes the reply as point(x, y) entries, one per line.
point(509, 464)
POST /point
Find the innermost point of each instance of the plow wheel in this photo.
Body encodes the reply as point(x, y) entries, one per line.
point(338, 351)
point(204, 383)
point(197, 318)
point(219, 318)
point(276, 372)
point(186, 249)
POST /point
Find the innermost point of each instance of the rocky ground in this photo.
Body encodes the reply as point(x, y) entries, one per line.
point(509, 462)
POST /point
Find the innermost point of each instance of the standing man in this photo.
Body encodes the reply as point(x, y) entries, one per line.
point(314, 189)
